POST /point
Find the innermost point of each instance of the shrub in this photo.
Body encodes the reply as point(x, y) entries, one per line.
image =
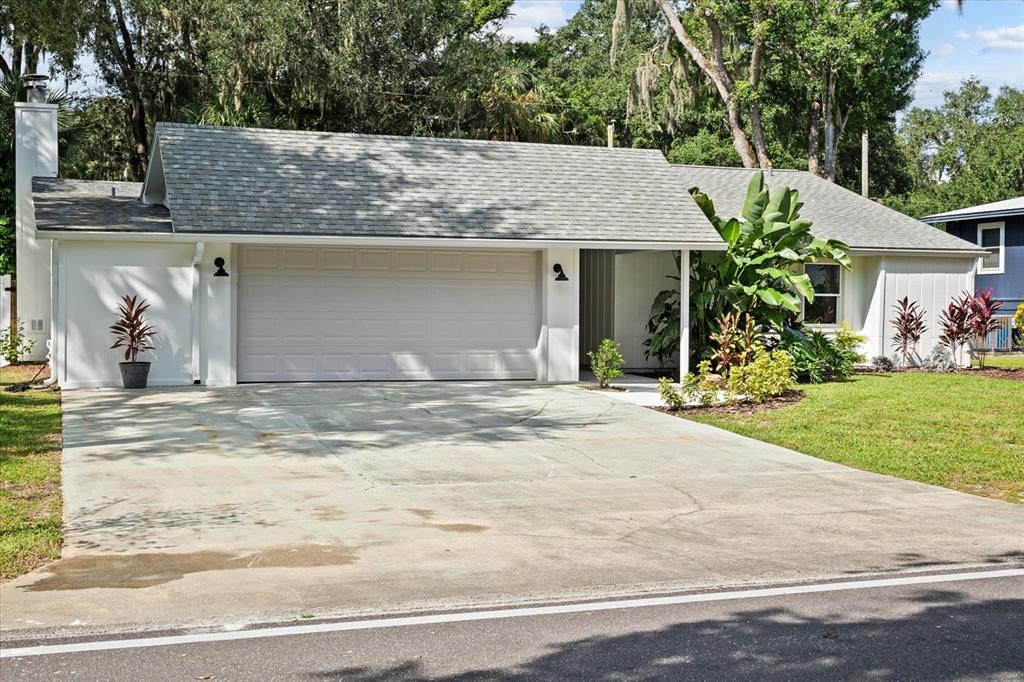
point(848, 340)
point(14, 343)
point(816, 358)
point(768, 376)
point(883, 363)
point(1018, 323)
point(606, 363)
point(701, 388)
point(983, 320)
point(939, 360)
point(955, 322)
point(735, 342)
point(908, 326)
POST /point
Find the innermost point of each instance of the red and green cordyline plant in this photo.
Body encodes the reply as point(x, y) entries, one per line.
point(735, 342)
point(131, 331)
point(983, 320)
point(909, 327)
point(955, 321)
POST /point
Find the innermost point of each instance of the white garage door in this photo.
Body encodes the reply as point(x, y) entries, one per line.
point(331, 314)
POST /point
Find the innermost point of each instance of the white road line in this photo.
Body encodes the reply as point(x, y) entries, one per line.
point(393, 622)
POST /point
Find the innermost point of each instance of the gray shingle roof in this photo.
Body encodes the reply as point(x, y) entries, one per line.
point(88, 205)
point(243, 180)
point(837, 213)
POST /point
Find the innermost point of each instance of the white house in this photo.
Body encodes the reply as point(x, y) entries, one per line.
point(301, 256)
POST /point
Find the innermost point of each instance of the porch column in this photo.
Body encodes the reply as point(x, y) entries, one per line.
point(684, 313)
point(561, 312)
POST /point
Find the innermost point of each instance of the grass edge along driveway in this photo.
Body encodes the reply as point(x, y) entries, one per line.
point(30, 492)
point(954, 430)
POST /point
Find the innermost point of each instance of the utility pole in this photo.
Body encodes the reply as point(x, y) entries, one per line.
point(611, 134)
point(864, 163)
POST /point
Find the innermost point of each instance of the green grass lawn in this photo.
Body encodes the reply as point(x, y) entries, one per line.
point(962, 432)
point(30, 498)
point(1003, 361)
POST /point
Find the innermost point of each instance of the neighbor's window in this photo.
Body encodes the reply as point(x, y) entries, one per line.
point(991, 237)
point(824, 309)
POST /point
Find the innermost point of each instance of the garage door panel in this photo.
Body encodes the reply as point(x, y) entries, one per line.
point(350, 314)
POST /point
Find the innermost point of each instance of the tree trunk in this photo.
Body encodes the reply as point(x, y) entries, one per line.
point(125, 52)
point(813, 137)
point(756, 59)
point(718, 75)
point(828, 111)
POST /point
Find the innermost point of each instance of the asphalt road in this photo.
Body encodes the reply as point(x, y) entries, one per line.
point(938, 631)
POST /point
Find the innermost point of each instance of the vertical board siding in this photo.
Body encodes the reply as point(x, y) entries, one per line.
point(597, 299)
point(639, 276)
point(932, 283)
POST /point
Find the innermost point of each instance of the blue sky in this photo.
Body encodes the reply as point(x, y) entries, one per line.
point(986, 41)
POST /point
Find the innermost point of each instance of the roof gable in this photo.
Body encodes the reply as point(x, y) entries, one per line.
point(836, 212)
point(253, 181)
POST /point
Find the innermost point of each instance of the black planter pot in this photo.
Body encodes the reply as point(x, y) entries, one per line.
point(134, 374)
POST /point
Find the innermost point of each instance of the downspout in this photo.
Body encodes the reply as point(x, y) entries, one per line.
point(196, 258)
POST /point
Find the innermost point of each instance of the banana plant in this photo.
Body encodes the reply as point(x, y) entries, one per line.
point(759, 271)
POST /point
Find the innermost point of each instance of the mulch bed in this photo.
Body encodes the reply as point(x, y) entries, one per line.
point(1013, 373)
point(595, 387)
point(788, 398)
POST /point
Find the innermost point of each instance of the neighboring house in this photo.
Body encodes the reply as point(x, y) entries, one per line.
point(301, 256)
point(998, 228)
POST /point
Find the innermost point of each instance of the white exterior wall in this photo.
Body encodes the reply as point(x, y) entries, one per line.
point(933, 283)
point(92, 277)
point(871, 290)
point(560, 313)
point(639, 276)
point(5, 307)
point(35, 155)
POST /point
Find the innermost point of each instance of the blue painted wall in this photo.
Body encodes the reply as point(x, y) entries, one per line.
point(1009, 286)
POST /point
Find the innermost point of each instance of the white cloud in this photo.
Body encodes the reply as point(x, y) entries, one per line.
point(1002, 38)
point(963, 35)
point(945, 49)
point(527, 15)
point(951, 5)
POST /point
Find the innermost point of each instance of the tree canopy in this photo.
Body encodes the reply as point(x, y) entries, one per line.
point(793, 83)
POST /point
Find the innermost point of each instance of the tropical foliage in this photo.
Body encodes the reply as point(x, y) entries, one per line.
point(983, 320)
point(816, 357)
point(131, 331)
point(758, 273)
point(908, 328)
point(955, 324)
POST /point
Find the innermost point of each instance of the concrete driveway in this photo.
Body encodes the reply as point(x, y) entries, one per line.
point(273, 501)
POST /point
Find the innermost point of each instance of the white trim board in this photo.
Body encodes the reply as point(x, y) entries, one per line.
point(387, 242)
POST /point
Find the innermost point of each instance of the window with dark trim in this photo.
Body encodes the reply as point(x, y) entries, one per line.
point(825, 279)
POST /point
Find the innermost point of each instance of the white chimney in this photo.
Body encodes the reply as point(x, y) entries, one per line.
point(35, 155)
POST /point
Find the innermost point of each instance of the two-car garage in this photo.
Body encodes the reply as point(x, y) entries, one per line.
point(334, 314)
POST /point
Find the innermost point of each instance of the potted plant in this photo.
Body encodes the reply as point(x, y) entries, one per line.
point(133, 334)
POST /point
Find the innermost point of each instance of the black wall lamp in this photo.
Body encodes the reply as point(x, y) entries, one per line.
point(560, 272)
point(219, 263)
